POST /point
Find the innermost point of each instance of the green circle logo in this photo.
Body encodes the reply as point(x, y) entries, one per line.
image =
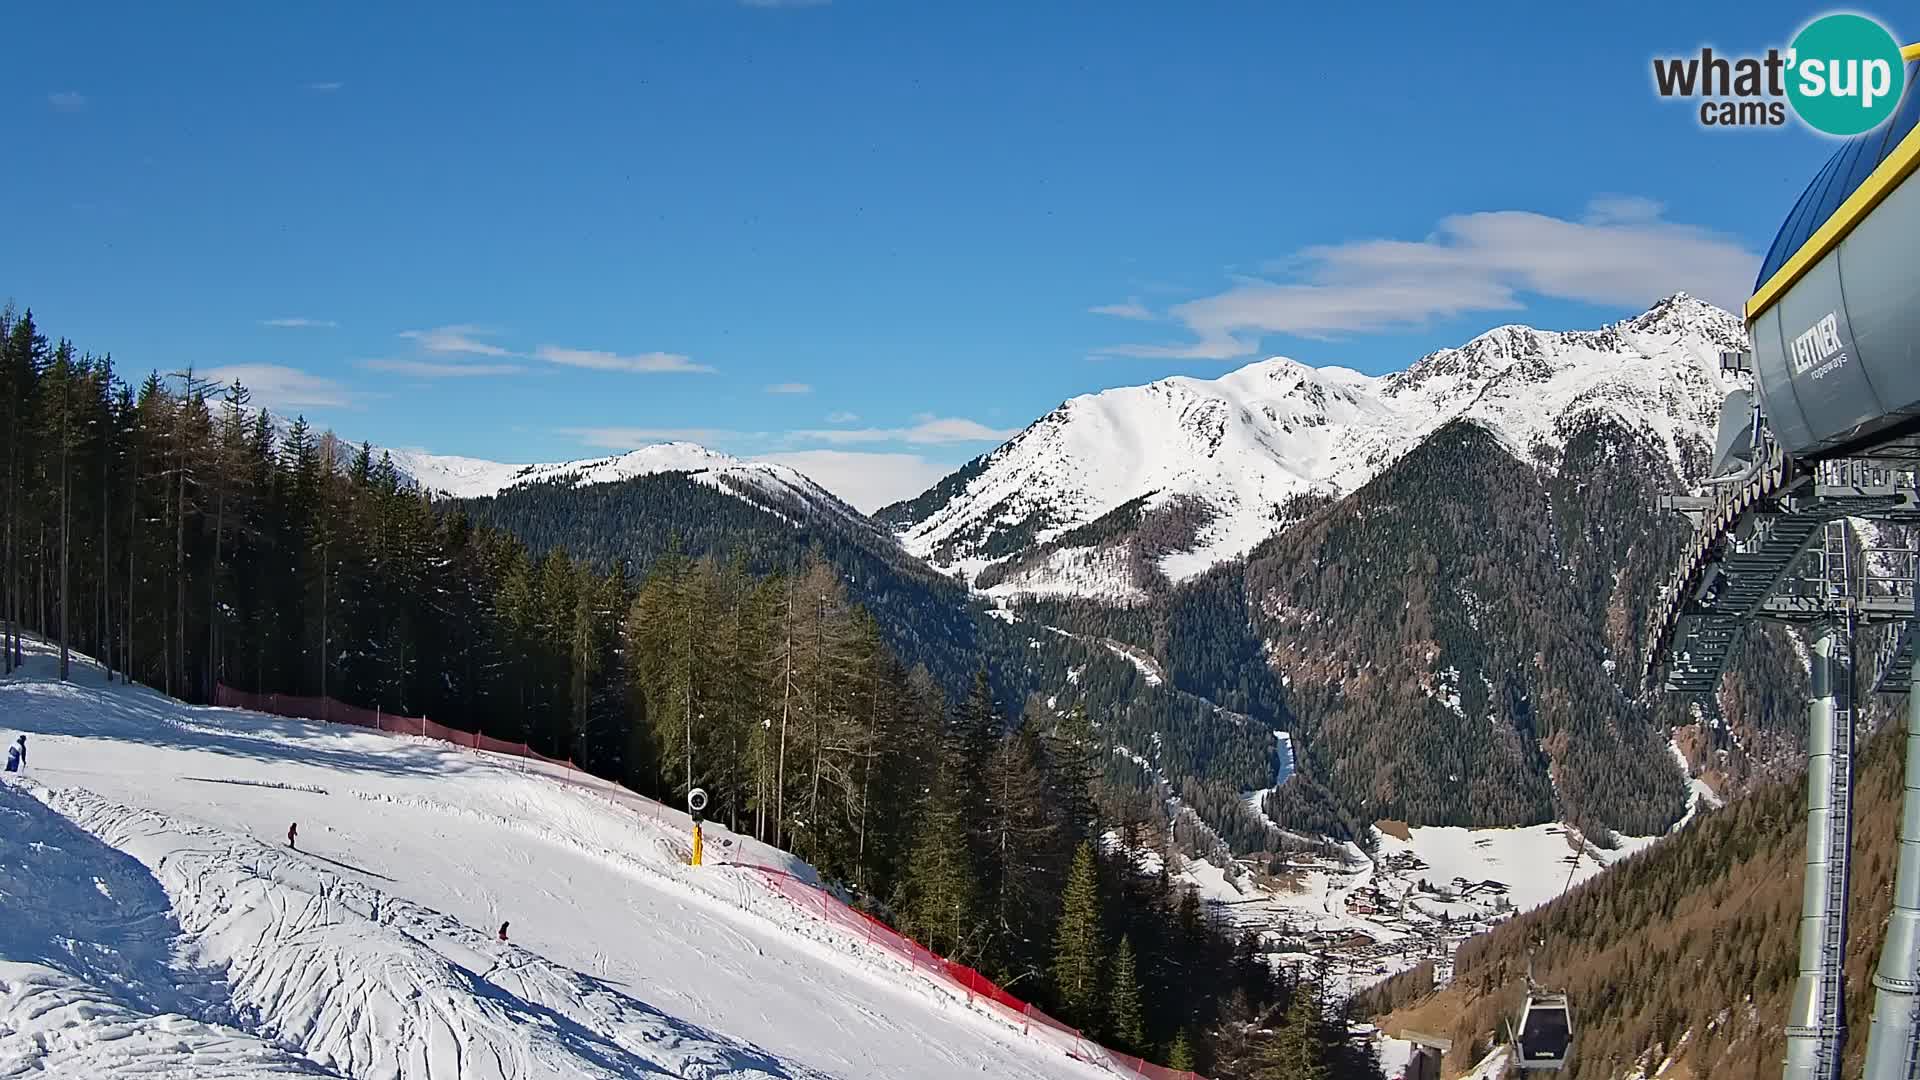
point(1846, 74)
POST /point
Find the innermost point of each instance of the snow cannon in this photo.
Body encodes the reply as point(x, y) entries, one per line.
point(1835, 314)
point(696, 802)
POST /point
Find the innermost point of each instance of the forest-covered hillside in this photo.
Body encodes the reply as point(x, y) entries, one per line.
point(182, 540)
point(1209, 735)
point(1458, 642)
point(1694, 939)
point(1455, 643)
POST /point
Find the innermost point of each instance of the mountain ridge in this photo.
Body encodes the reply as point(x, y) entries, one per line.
point(1241, 445)
point(754, 481)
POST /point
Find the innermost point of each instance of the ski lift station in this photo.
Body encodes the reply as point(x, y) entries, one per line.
point(1829, 434)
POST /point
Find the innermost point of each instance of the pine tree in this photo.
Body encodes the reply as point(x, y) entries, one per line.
point(60, 429)
point(1074, 761)
point(1126, 1019)
point(1300, 1049)
point(938, 894)
point(1078, 954)
point(1021, 883)
point(1180, 1054)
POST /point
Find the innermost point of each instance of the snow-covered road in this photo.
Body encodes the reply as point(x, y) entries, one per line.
point(371, 951)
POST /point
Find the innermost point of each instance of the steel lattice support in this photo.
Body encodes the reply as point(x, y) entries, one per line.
point(1893, 1045)
point(1816, 1026)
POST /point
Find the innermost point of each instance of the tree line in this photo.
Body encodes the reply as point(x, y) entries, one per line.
point(186, 539)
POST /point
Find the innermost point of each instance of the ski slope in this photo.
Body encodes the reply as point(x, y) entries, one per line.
point(154, 923)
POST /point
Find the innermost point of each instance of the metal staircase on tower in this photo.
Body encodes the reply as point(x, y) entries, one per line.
point(1775, 543)
point(1749, 541)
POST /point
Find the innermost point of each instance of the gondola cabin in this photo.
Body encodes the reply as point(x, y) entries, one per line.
point(1543, 1035)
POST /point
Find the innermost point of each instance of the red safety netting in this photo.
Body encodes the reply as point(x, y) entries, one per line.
point(812, 899)
point(329, 711)
point(979, 990)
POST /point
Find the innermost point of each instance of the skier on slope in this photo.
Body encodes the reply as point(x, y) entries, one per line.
point(17, 755)
point(503, 933)
point(292, 830)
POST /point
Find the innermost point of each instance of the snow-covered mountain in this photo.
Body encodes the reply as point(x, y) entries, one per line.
point(1212, 462)
point(777, 488)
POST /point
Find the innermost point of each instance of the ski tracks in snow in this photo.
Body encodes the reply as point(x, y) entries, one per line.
point(374, 986)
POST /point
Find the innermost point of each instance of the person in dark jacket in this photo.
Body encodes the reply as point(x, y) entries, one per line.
point(503, 932)
point(292, 831)
point(17, 755)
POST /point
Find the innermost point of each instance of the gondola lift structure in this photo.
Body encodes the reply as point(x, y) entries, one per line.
point(1541, 1034)
point(1829, 433)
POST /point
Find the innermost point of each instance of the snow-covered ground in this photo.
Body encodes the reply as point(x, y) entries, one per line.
point(1535, 863)
point(154, 922)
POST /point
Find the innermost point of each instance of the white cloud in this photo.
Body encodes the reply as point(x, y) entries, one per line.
point(460, 338)
point(429, 369)
point(929, 431)
point(1622, 252)
point(299, 323)
point(1132, 309)
point(1210, 347)
point(325, 87)
point(468, 340)
point(867, 481)
point(67, 101)
point(1603, 209)
point(628, 438)
point(598, 360)
point(842, 416)
point(276, 386)
point(790, 388)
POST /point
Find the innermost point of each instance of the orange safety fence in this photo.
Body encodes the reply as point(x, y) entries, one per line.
point(808, 897)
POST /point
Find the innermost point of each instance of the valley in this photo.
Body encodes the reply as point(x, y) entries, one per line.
point(1319, 705)
point(837, 540)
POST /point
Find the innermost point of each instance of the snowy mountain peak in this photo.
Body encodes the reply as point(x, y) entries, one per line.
point(465, 478)
point(1229, 452)
point(779, 489)
point(1689, 316)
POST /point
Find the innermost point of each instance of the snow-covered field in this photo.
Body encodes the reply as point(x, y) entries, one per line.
point(1368, 917)
point(153, 921)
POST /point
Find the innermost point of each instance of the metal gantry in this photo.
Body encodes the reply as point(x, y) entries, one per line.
point(1775, 545)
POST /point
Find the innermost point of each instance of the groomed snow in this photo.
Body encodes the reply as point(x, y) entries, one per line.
point(208, 948)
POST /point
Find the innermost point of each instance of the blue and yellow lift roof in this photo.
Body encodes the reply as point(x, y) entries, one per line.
point(1855, 180)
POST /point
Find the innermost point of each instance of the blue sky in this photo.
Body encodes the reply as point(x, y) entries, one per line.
point(870, 236)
